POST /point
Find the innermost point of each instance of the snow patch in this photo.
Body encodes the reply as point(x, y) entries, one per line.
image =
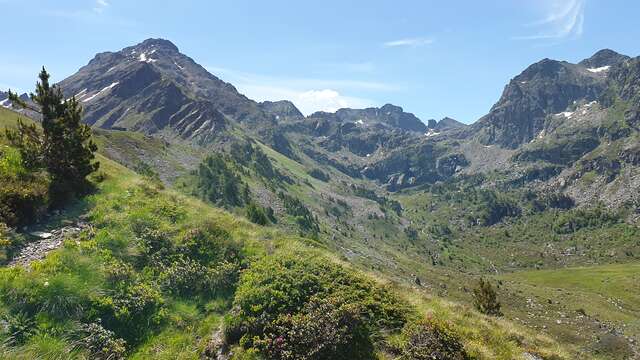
point(599, 69)
point(176, 64)
point(567, 114)
point(5, 103)
point(202, 127)
point(101, 91)
point(143, 58)
point(431, 132)
point(81, 94)
point(360, 122)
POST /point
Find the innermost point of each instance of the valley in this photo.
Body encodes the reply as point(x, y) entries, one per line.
point(540, 197)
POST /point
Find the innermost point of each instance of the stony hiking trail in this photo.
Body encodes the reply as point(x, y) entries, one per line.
point(46, 242)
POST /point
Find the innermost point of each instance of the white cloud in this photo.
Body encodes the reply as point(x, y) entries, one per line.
point(308, 94)
point(410, 42)
point(563, 19)
point(100, 5)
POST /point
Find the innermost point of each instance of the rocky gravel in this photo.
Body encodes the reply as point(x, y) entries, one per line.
point(45, 242)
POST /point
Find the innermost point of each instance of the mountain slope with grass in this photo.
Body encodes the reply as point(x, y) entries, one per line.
point(162, 274)
point(364, 218)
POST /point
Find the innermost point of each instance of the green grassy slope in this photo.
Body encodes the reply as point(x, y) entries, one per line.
point(59, 290)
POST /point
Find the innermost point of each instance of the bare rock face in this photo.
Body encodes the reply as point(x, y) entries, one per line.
point(544, 88)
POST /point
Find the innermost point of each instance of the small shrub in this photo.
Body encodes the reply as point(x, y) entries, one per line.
point(208, 244)
point(23, 200)
point(19, 327)
point(278, 297)
point(426, 340)
point(256, 214)
point(132, 312)
point(101, 343)
point(485, 299)
point(322, 330)
point(320, 175)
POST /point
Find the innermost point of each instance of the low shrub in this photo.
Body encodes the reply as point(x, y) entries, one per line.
point(324, 329)
point(101, 343)
point(278, 297)
point(485, 299)
point(426, 340)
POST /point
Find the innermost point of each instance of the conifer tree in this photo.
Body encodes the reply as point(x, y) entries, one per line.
point(64, 148)
point(485, 299)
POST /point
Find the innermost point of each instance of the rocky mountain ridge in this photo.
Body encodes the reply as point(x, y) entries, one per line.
point(549, 116)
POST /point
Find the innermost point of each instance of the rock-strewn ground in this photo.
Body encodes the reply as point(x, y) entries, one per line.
point(46, 242)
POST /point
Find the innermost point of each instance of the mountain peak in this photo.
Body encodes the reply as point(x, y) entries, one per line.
point(283, 109)
point(604, 57)
point(159, 43)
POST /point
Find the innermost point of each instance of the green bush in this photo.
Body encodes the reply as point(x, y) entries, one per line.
point(208, 243)
point(101, 343)
point(23, 200)
point(324, 329)
point(485, 299)
point(276, 288)
point(426, 340)
point(574, 220)
point(320, 175)
point(256, 214)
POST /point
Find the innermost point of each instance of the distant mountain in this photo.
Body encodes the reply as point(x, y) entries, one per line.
point(446, 123)
point(282, 110)
point(603, 58)
point(151, 87)
point(6, 103)
point(544, 88)
point(553, 112)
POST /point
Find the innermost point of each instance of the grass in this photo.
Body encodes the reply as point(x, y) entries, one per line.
point(124, 197)
point(121, 198)
point(575, 303)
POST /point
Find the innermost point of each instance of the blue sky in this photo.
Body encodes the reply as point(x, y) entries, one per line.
point(433, 58)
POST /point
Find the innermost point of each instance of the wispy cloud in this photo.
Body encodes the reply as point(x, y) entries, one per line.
point(410, 42)
point(100, 5)
point(564, 19)
point(308, 94)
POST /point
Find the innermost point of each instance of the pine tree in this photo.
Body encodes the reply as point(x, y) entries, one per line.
point(485, 299)
point(64, 148)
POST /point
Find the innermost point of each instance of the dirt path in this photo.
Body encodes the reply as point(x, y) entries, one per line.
point(46, 242)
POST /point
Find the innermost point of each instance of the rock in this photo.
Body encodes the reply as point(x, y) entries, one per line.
point(48, 241)
point(41, 235)
point(530, 356)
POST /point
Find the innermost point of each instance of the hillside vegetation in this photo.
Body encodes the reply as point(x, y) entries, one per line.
point(163, 275)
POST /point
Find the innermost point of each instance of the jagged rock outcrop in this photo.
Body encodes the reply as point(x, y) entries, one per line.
point(283, 110)
point(544, 88)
